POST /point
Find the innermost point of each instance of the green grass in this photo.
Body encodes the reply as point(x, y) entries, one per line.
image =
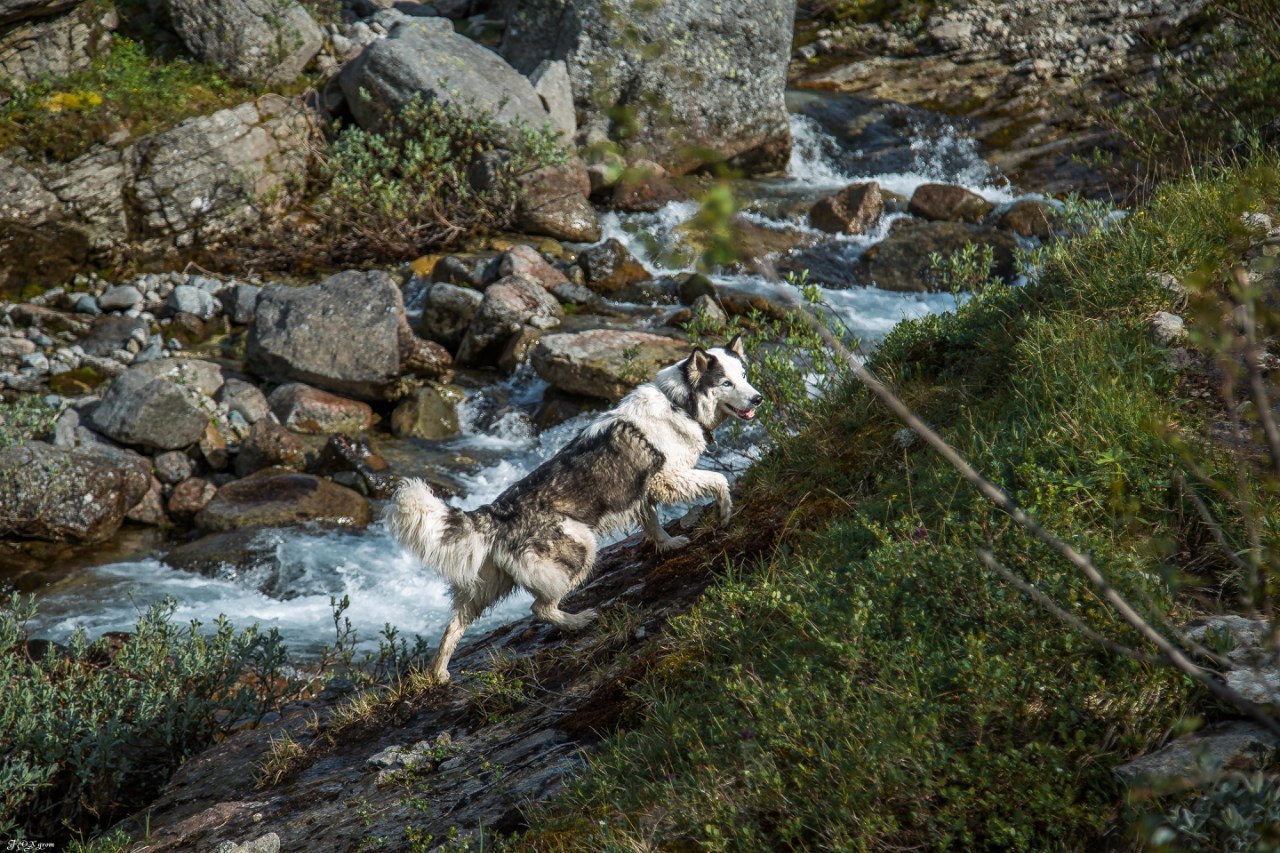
point(127, 92)
point(862, 683)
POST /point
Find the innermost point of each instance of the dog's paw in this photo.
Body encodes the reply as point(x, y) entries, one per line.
point(441, 676)
point(581, 619)
point(726, 512)
point(672, 543)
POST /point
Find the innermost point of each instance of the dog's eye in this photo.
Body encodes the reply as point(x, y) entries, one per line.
point(727, 384)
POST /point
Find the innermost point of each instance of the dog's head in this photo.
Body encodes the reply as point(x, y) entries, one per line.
point(717, 379)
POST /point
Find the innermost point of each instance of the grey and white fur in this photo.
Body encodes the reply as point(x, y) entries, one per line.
point(540, 534)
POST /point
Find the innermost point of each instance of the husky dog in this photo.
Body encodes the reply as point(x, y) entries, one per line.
point(540, 534)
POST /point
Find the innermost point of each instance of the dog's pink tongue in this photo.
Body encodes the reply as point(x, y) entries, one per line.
point(749, 414)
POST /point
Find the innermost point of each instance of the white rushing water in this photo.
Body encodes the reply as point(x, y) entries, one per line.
point(297, 570)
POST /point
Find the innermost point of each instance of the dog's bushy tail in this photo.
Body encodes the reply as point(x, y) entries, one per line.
point(444, 538)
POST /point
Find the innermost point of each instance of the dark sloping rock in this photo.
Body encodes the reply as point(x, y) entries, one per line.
point(447, 313)
point(68, 495)
point(693, 102)
point(610, 268)
point(342, 335)
point(268, 40)
point(902, 262)
point(425, 57)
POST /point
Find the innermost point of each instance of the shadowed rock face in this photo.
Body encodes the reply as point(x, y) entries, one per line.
point(689, 105)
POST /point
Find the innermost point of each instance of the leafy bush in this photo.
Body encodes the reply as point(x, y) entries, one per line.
point(864, 684)
point(129, 90)
point(439, 174)
point(90, 734)
point(1238, 814)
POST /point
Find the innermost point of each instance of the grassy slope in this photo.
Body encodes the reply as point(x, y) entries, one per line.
point(865, 684)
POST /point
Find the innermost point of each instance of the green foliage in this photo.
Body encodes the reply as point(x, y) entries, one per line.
point(23, 419)
point(126, 91)
point(1238, 814)
point(90, 735)
point(500, 690)
point(865, 684)
point(966, 271)
point(439, 174)
point(1216, 100)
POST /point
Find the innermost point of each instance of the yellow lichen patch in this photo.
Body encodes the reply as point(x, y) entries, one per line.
point(61, 101)
point(425, 264)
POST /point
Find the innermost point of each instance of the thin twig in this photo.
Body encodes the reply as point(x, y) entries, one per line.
point(998, 497)
point(989, 560)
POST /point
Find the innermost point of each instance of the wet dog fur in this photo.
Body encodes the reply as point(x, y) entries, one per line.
point(540, 534)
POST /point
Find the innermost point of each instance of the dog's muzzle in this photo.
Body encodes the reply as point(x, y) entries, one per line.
point(748, 413)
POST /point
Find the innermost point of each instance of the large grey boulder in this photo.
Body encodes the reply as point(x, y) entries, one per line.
point(209, 175)
point(508, 305)
point(51, 38)
point(347, 334)
point(715, 85)
point(268, 40)
point(163, 404)
point(61, 494)
point(424, 57)
point(604, 362)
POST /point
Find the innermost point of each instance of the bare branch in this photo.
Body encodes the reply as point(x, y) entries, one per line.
point(989, 560)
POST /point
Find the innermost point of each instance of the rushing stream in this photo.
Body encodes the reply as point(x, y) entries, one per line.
point(290, 584)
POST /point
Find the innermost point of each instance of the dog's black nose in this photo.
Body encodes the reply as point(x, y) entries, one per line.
point(757, 400)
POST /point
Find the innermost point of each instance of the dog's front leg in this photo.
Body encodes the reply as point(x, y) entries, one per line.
point(692, 485)
point(658, 536)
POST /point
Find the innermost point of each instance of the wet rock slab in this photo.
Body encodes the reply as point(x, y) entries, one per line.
point(274, 499)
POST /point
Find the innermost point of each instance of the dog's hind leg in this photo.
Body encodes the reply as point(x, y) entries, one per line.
point(659, 537)
point(552, 568)
point(490, 586)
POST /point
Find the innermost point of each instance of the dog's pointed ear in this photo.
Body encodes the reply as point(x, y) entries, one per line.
point(735, 346)
point(698, 363)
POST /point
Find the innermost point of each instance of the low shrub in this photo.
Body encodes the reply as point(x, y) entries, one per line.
point(1216, 99)
point(91, 732)
point(441, 173)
